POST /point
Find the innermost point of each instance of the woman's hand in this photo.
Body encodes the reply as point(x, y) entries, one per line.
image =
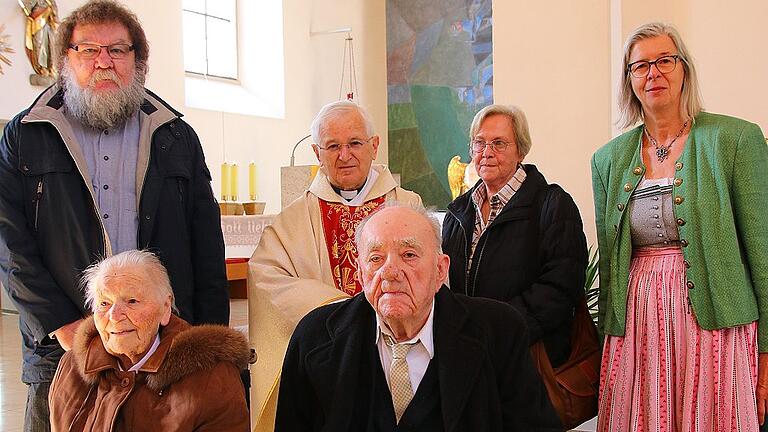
point(762, 387)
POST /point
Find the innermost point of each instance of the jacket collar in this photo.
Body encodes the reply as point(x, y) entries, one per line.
point(463, 209)
point(49, 108)
point(52, 98)
point(183, 350)
point(458, 349)
point(384, 183)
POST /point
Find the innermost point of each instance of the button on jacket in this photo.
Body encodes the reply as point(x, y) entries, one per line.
point(720, 196)
point(50, 227)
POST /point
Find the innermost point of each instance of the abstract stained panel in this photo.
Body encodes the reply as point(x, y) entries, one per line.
point(439, 74)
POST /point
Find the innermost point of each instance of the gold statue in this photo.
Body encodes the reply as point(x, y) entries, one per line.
point(5, 47)
point(456, 176)
point(461, 176)
point(40, 38)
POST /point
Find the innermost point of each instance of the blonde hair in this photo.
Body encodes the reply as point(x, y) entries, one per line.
point(631, 110)
point(515, 115)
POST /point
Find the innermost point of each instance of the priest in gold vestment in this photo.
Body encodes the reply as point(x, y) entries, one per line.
point(306, 258)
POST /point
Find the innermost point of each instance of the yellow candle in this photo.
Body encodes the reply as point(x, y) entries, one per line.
point(225, 181)
point(252, 181)
point(233, 184)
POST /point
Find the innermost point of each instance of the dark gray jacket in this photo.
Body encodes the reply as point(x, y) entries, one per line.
point(50, 229)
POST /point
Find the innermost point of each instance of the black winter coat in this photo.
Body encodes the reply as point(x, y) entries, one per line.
point(532, 256)
point(486, 379)
point(50, 229)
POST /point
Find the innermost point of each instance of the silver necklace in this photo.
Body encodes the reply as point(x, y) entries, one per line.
point(662, 152)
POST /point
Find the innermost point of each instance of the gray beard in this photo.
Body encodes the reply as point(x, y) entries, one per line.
point(102, 110)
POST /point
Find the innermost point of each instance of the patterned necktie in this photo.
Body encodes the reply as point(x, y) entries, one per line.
point(399, 379)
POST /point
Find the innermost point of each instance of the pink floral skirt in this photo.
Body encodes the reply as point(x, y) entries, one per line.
point(666, 374)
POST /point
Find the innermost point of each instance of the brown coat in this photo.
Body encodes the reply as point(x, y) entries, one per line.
point(191, 383)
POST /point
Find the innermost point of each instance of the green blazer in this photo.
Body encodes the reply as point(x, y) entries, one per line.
point(720, 194)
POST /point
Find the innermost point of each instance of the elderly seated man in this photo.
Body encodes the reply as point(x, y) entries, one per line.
point(306, 258)
point(135, 366)
point(410, 354)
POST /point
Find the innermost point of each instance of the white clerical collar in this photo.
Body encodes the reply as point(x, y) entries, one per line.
point(425, 336)
point(357, 198)
point(140, 363)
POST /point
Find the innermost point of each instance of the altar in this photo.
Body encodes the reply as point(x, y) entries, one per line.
point(241, 236)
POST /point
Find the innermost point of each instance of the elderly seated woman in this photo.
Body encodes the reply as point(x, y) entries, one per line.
point(134, 366)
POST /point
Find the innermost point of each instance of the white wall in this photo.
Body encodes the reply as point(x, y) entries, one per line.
point(553, 62)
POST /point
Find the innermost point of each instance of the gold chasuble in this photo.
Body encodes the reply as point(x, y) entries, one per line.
point(339, 225)
point(305, 259)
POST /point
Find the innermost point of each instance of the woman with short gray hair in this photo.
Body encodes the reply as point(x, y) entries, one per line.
point(513, 236)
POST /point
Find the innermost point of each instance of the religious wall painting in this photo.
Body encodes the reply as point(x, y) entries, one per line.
point(439, 74)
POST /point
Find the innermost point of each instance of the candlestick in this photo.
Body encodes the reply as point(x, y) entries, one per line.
point(252, 181)
point(226, 174)
point(233, 185)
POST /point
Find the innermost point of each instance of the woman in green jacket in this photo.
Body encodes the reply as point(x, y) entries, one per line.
point(680, 203)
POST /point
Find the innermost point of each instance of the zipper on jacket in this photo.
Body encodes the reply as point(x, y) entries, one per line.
point(104, 238)
point(181, 190)
point(476, 264)
point(38, 197)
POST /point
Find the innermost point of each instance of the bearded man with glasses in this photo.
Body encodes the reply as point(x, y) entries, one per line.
point(96, 166)
point(514, 237)
point(307, 257)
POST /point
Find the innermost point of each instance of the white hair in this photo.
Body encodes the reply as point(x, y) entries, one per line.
point(153, 270)
point(334, 110)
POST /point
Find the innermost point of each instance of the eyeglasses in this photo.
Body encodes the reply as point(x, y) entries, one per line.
point(354, 145)
point(90, 51)
point(497, 145)
point(665, 64)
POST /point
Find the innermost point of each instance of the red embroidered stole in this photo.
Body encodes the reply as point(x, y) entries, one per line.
point(339, 224)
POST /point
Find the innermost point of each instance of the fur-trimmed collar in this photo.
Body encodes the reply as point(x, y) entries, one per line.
point(183, 350)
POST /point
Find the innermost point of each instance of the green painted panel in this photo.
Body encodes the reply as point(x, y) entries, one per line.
point(401, 116)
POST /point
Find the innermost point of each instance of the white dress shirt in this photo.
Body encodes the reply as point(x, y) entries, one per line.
point(419, 355)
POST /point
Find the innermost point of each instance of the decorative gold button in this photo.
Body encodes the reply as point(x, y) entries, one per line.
point(687, 264)
point(679, 200)
point(679, 166)
point(616, 228)
point(620, 207)
point(637, 170)
point(678, 181)
point(690, 284)
point(680, 221)
point(627, 187)
point(684, 243)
